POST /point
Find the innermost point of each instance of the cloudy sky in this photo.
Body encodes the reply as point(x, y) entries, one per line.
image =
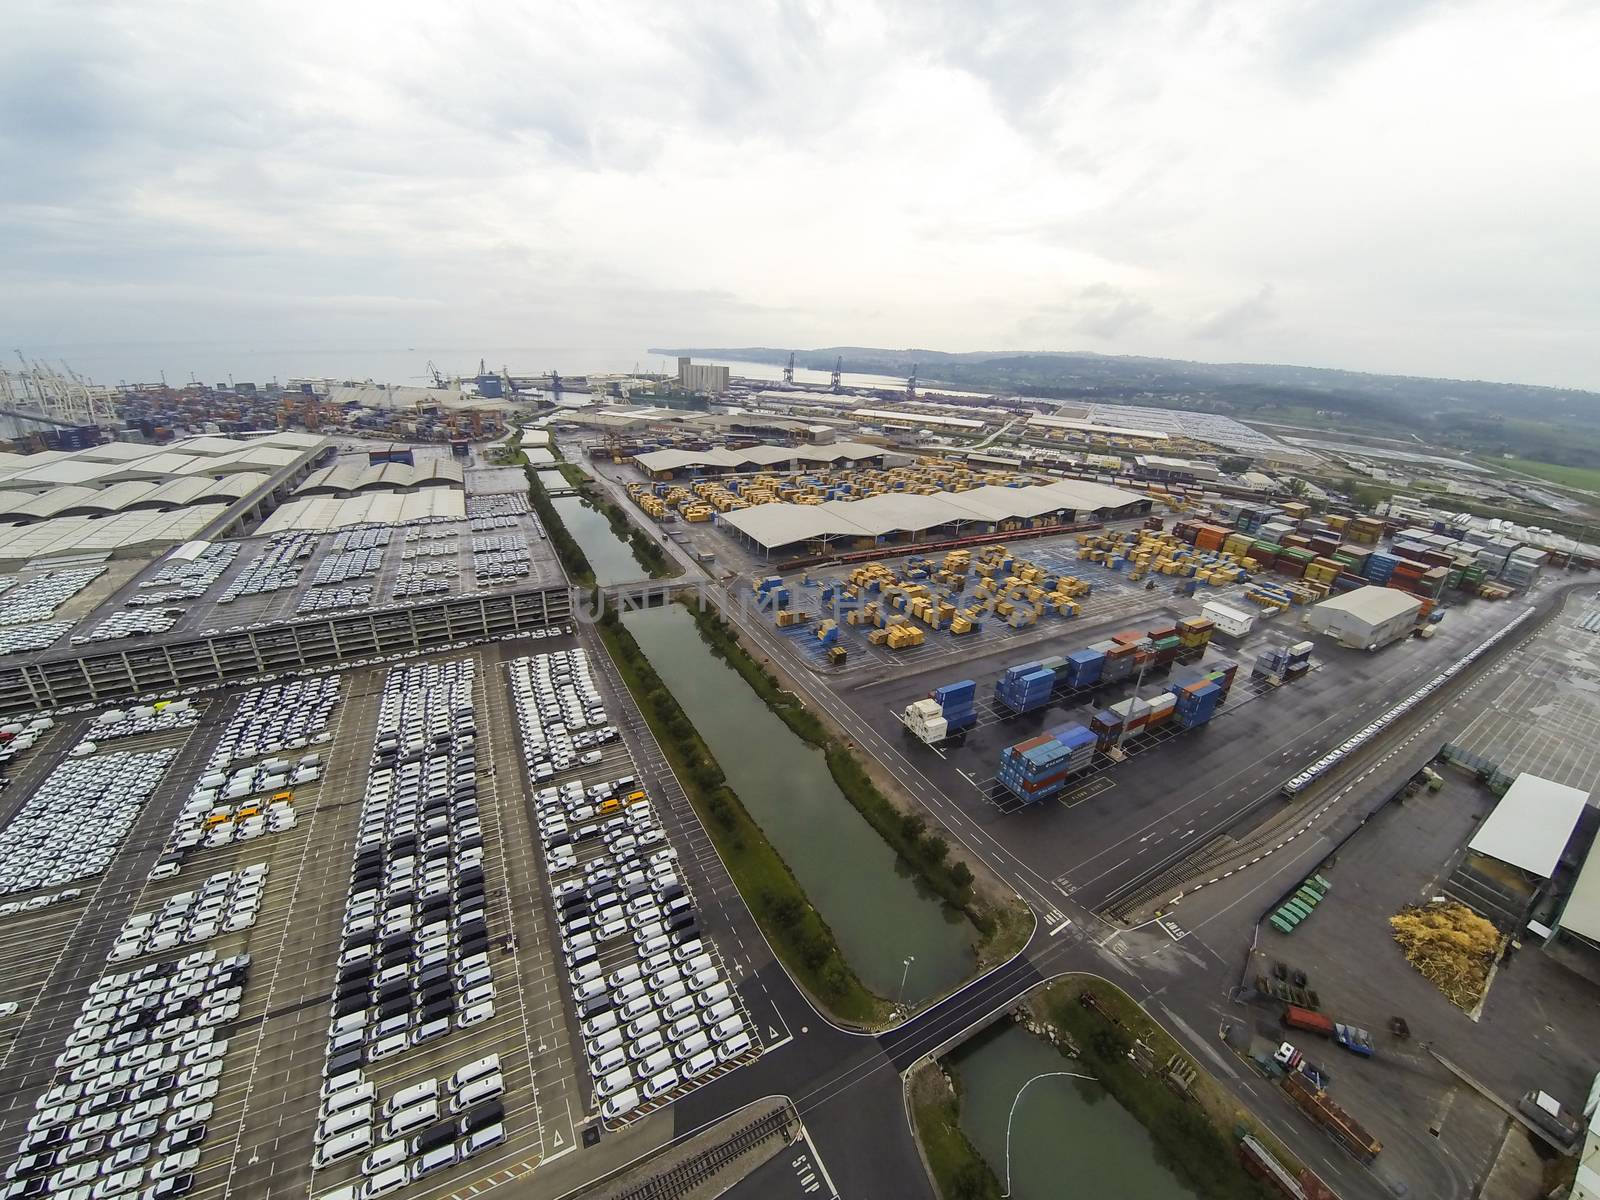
point(1388, 185)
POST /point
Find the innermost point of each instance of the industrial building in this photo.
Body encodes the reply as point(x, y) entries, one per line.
point(702, 377)
point(346, 478)
point(670, 464)
point(1367, 618)
point(125, 499)
point(906, 517)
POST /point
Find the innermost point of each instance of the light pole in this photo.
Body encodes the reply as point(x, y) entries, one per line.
point(1122, 733)
point(901, 993)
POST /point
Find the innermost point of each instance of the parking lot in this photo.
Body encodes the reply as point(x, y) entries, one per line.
point(261, 1132)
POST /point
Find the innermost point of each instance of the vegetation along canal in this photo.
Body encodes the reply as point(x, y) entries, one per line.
point(1069, 1137)
point(609, 556)
point(879, 915)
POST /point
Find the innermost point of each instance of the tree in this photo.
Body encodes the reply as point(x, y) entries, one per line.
point(1297, 487)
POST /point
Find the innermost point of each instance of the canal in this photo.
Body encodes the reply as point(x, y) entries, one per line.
point(1069, 1137)
point(609, 556)
point(880, 915)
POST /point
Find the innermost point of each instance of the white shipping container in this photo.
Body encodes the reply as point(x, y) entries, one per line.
point(1230, 620)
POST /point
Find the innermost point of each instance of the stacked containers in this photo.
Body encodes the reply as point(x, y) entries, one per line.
point(1380, 567)
point(1195, 632)
point(1026, 687)
point(1299, 659)
point(1273, 661)
point(1084, 667)
point(1195, 703)
point(1040, 767)
point(957, 700)
point(1118, 660)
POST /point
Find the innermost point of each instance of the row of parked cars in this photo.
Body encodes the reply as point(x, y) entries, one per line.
point(275, 567)
point(227, 902)
point(164, 716)
point(72, 825)
point(654, 1007)
point(414, 957)
point(135, 1086)
point(37, 599)
point(557, 702)
point(278, 718)
point(425, 1126)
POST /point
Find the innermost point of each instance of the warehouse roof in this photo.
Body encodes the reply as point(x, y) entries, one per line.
point(370, 508)
point(1373, 604)
point(1530, 826)
point(1582, 913)
point(757, 456)
point(129, 494)
point(773, 525)
point(121, 531)
point(1085, 426)
point(346, 477)
point(914, 418)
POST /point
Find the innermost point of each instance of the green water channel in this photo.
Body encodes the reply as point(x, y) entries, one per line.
point(609, 556)
point(1069, 1137)
point(553, 480)
point(880, 915)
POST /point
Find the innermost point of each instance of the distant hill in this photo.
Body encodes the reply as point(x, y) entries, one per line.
point(1550, 424)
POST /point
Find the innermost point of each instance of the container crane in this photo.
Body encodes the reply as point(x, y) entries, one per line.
point(788, 371)
point(838, 369)
point(911, 384)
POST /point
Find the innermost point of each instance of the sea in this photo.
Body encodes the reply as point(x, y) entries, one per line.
point(179, 363)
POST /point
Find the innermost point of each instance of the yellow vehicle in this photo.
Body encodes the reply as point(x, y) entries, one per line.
point(609, 805)
point(277, 796)
point(249, 810)
point(636, 797)
point(214, 819)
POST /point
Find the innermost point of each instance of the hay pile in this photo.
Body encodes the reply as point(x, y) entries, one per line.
point(1452, 946)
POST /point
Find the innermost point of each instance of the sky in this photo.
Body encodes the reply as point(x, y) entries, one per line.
point(1382, 185)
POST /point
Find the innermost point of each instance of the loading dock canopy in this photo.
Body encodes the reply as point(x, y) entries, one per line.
point(1530, 826)
point(774, 525)
point(1582, 913)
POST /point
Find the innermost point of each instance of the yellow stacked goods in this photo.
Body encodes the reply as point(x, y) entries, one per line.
point(1452, 946)
point(878, 636)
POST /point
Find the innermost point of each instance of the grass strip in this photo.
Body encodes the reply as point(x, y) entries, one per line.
point(925, 852)
point(796, 931)
point(959, 1170)
point(1196, 1135)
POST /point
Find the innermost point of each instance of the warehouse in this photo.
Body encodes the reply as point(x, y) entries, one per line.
point(906, 518)
point(325, 513)
point(349, 477)
point(884, 416)
point(1368, 618)
point(1530, 827)
point(670, 464)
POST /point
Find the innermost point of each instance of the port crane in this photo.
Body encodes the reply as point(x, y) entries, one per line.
point(838, 370)
point(788, 371)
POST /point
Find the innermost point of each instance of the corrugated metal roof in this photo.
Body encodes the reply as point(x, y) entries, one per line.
point(758, 456)
point(1530, 826)
point(120, 531)
point(1373, 604)
point(774, 525)
point(369, 508)
point(361, 476)
point(1582, 913)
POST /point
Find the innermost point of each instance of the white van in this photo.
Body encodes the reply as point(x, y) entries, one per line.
point(605, 1043)
point(477, 1069)
point(344, 1119)
point(614, 1083)
point(727, 1029)
point(655, 1064)
point(406, 1097)
point(348, 1097)
point(698, 963)
point(703, 979)
point(389, 1180)
point(696, 1044)
point(713, 995)
point(478, 1091)
point(351, 1141)
point(733, 1047)
point(436, 1159)
point(719, 1012)
point(700, 1064)
point(622, 1102)
point(661, 1084)
point(411, 1118)
point(345, 1079)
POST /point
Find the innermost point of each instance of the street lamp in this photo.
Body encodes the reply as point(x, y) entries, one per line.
point(901, 993)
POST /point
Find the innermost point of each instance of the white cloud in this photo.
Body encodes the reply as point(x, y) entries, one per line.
point(1376, 185)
